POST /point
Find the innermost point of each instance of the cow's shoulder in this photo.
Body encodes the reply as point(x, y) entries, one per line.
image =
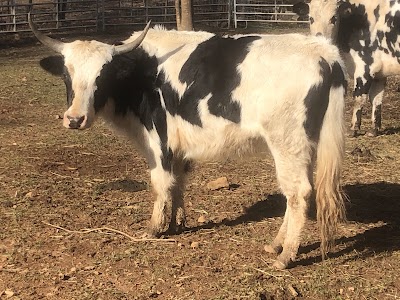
point(210, 73)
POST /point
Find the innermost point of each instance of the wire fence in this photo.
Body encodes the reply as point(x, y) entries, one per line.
point(100, 15)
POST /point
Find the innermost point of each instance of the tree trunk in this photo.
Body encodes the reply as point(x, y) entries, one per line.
point(184, 17)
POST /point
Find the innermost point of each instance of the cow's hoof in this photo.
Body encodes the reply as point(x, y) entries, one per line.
point(353, 133)
point(153, 232)
point(273, 250)
point(176, 228)
point(279, 265)
point(372, 133)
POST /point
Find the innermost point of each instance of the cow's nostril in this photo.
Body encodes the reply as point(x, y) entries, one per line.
point(75, 123)
point(319, 34)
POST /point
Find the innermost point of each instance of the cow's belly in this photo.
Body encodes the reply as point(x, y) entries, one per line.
point(218, 140)
point(385, 64)
point(390, 67)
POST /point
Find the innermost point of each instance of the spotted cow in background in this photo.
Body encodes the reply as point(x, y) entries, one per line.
point(184, 96)
point(367, 33)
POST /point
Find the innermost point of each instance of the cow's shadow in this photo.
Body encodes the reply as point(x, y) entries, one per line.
point(390, 131)
point(273, 206)
point(377, 203)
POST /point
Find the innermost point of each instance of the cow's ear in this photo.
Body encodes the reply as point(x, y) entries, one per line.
point(301, 8)
point(344, 8)
point(53, 64)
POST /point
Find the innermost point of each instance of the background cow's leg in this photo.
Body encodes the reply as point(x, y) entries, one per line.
point(362, 84)
point(375, 96)
point(359, 102)
point(163, 183)
point(180, 169)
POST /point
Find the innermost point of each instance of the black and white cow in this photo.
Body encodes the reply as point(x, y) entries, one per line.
point(367, 33)
point(185, 96)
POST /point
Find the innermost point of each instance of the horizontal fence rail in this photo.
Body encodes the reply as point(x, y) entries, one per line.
point(100, 15)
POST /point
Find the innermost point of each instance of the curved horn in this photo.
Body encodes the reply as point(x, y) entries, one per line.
point(121, 49)
point(44, 39)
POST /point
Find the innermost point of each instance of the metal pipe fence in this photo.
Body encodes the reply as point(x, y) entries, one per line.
point(100, 15)
point(264, 11)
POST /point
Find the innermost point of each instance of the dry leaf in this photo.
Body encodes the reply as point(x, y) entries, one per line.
point(8, 293)
point(202, 219)
point(29, 195)
point(194, 245)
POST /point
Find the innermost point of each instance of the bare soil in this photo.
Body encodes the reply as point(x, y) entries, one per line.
point(72, 205)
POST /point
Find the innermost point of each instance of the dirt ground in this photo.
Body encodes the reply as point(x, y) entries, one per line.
point(73, 204)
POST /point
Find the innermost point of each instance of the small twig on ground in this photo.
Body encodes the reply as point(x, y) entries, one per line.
point(100, 229)
point(292, 290)
point(59, 175)
point(270, 274)
point(182, 278)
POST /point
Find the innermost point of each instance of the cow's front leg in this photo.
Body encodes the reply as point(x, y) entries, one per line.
point(359, 102)
point(362, 84)
point(162, 181)
point(375, 96)
point(180, 169)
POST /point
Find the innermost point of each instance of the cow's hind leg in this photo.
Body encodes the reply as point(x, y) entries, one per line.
point(297, 204)
point(293, 173)
point(276, 246)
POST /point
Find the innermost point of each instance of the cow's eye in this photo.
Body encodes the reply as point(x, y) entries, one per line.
point(311, 20)
point(333, 20)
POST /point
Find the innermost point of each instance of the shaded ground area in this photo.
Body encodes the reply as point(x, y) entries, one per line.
point(72, 205)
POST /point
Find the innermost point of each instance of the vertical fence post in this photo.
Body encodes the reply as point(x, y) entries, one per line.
point(146, 10)
point(229, 13)
point(235, 12)
point(103, 12)
point(97, 15)
point(166, 10)
point(14, 16)
point(57, 4)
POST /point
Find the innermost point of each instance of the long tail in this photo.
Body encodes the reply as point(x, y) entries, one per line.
point(330, 152)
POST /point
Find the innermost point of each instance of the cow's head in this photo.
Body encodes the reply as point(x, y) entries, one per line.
point(79, 64)
point(324, 15)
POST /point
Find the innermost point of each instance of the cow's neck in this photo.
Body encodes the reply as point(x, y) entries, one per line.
point(126, 85)
point(352, 28)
